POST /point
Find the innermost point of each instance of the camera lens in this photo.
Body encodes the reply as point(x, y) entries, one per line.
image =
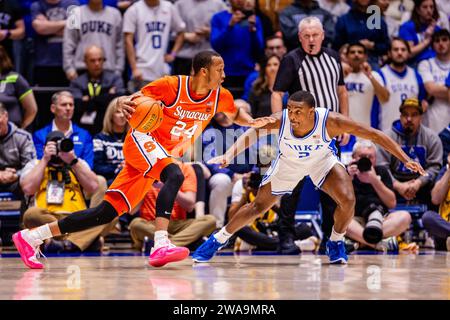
point(364, 164)
point(373, 231)
point(65, 145)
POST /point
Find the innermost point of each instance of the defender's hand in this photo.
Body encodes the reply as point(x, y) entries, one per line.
point(415, 167)
point(222, 160)
point(261, 122)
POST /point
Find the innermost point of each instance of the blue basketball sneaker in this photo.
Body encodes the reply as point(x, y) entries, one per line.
point(336, 252)
point(206, 251)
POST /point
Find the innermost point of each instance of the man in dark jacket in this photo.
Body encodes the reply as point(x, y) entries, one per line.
point(94, 90)
point(16, 149)
point(354, 26)
point(291, 16)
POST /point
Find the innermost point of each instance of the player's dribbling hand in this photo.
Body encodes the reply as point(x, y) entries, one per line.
point(261, 122)
point(127, 105)
point(415, 167)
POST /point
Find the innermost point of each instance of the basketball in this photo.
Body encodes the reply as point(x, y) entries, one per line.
point(148, 115)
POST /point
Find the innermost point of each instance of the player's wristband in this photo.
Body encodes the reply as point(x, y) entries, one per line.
point(74, 162)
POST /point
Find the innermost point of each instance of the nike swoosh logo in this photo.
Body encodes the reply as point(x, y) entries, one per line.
point(286, 138)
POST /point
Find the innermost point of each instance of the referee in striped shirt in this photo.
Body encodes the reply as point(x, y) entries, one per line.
point(318, 70)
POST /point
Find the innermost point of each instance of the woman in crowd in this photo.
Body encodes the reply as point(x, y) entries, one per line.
point(108, 155)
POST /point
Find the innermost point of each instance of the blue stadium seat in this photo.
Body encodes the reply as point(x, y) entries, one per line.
point(308, 208)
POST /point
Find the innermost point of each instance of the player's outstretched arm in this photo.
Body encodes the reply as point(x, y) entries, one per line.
point(249, 138)
point(242, 118)
point(338, 124)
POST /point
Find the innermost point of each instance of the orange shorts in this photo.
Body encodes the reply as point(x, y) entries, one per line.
point(145, 159)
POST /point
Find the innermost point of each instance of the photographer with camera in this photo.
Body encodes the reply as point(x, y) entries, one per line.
point(374, 197)
point(73, 147)
point(59, 184)
point(238, 36)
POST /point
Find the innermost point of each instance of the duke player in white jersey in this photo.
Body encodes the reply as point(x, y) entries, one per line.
point(305, 149)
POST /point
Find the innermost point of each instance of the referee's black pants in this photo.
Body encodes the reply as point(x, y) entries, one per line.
point(288, 207)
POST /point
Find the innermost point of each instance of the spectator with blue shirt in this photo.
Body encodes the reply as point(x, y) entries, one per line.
point(238, 36)
point(62, 106)
point(108, 154)
point(49, 20)
point(419, 30)
point(354, 26)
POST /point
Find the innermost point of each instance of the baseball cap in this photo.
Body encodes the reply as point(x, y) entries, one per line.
point(413, 103)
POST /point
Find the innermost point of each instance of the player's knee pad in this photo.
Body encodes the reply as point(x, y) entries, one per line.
point(92, 217)
point(172, 176)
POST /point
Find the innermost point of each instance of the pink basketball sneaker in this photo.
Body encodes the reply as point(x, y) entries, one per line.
point(28, 249)
point(169, 253)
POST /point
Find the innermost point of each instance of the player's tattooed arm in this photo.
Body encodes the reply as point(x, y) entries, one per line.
point(338, 124)
point(250, 137)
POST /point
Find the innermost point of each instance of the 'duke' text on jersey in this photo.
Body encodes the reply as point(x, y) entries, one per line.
point(96, 26)
point(155, 26)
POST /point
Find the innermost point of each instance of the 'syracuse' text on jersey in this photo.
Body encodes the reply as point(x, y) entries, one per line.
point(185, 116)
point(313, 155)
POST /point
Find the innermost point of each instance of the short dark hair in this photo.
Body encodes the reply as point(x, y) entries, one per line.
point(203, 59)
point(303, 96)
point(357, 44)
point(274, 37)
point(406, 43)
point(439, 34)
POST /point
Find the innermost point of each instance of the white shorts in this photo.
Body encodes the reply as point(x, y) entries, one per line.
point(284, 175)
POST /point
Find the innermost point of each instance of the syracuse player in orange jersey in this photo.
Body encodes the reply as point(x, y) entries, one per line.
point(190, 104)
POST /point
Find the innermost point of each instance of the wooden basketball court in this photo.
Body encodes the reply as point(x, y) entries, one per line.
point(254, 277)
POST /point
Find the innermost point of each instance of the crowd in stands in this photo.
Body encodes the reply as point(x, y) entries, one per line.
point(394, 57)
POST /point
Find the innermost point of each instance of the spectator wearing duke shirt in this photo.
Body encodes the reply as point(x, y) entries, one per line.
point(49, 21)
point(239, 39)
point(91, 24)
point(147, 27)
point(401, 81)
point(108, 154)
point(362, 84)
point(94, 89)
point(434, 71)
point(420, 144)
